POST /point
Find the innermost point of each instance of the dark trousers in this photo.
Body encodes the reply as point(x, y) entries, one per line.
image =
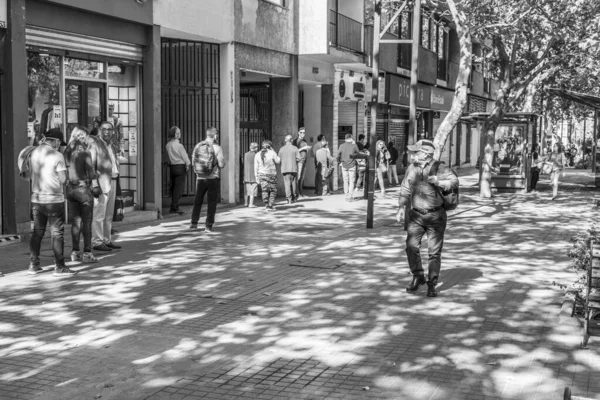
point(210, 188)
point(319, 179)
point(54, 214)
point(290, 181)
point(535, 177)
point(178, 174)
point(434, 224)
point(81, 207)
point(301, 172)
point(360, 179)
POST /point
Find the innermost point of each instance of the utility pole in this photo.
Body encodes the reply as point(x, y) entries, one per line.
point(374, 104)
point(414, 76)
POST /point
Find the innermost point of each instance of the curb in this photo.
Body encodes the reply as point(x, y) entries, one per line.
point(6, 240)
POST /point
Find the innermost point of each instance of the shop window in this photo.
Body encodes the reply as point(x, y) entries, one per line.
point(84, 69)
point(43, 73)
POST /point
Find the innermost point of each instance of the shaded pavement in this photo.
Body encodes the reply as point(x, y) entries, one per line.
point(305, 302)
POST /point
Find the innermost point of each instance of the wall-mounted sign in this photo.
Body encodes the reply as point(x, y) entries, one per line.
point(441, 99)
point(399, 92)
point(30, 130)
point(350, 85)
point(57, 115)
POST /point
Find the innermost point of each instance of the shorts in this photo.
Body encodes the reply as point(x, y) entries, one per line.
point(250, 189)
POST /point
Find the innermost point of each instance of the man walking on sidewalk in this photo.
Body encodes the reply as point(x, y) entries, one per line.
point(208, 160)
point(303, 148)
point(47, 201)
point(346, 159)
point(290, 158)
point(428, 214)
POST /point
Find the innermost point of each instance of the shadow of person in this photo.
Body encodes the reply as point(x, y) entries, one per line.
point(457, 276)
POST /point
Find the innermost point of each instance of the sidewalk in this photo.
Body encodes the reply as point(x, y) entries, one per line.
point(305, 303)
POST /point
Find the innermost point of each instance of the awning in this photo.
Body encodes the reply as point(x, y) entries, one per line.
point(585, 99)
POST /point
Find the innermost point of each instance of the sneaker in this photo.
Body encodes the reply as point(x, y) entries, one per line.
point(34, 269)
point(75, 255)
point(251, 206)
point(89, 258)
point(102, 247)
point(113, 245)
point(209, 229)
point(194, 227)
point(63, 272)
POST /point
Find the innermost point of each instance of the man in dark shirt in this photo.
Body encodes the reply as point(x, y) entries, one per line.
point(427, 215)
point(303, 148)
point(347, 154)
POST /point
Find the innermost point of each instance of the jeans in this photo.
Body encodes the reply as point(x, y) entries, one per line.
point(54, 214)
point(319, 179)
point(178, 174)
point(349, 176)
point(210, 188)
point(434, 224)
point(290, 181)
point(301, 172)
point(535, 177)
point(360, 179)
point(81, 207)
point(104, 208)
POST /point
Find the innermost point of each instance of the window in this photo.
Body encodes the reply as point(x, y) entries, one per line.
point(442, 52)
point(425, 36)
point(405, 32)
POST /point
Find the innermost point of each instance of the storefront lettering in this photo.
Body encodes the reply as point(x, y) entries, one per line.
point(437, 99)
point(404, 91)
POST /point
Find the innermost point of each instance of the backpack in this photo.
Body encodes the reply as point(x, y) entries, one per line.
point(24, 162)
point(204, 159)
point(451, 196)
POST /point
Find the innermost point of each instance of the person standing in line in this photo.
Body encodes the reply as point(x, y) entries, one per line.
point(347, 154)
point(303, 148)
point(104, 158)
point(48, 174)
point(208, 160)
point(250, 184)
point(81, 177)
point(557, 159)
point(179, 164)
point(290, 158)
point(362, 163)
point(313, 152)
point(324, 166)
point(392, 171)
point(428, 214)
point(265, 165)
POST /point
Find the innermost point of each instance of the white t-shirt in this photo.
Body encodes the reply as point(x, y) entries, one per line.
point(46, 187)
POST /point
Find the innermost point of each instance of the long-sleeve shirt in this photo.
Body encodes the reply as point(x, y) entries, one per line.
point(346, 153)
point(268, 166)
point(423, 194)
point(177, 153)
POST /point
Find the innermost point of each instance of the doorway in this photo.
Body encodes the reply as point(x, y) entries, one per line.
point(85, 103)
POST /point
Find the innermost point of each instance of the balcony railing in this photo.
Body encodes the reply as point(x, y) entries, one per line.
point(345, 32)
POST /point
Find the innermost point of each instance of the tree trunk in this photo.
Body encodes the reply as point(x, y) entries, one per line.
point(460, 94)
point(488, 139)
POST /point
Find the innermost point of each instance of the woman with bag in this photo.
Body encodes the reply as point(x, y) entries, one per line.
point(382, 161)
point(80, 174)
point(265, 166)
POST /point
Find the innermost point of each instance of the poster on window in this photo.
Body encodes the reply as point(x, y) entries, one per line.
point(132, 135)
point(57, 115)
point(132, 149)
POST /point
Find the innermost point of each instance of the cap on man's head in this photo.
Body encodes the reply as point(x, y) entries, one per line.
point(348, 136)
point(55, 134)
point(423, 145)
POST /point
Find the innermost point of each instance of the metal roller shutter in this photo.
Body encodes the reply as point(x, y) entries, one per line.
point(49, 38)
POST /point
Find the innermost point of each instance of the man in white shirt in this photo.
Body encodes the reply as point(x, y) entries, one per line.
point(179, 163)
point(104, 205)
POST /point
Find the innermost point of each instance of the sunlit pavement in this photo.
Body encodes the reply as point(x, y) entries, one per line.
point(306, 303)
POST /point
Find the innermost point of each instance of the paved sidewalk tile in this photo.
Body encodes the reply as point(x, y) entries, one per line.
point(305, 303)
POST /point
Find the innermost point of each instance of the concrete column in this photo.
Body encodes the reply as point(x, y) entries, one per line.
point(312, 119)
point(15, 191)
point(152, 144)
point(284, 106)
point(229, 95)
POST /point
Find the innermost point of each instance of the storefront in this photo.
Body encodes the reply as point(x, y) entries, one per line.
point(69, 87)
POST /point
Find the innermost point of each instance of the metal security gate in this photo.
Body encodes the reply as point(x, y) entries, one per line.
point(255, 120)
point(190, 98)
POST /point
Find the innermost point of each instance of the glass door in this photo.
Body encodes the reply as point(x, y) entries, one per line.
point(85, 104)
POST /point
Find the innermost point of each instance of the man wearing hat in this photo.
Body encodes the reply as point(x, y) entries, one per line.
point(427, 215)
point(47, 201)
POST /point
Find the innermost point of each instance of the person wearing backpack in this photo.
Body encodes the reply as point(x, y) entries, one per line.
point(431, 188)
point(207, 161)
